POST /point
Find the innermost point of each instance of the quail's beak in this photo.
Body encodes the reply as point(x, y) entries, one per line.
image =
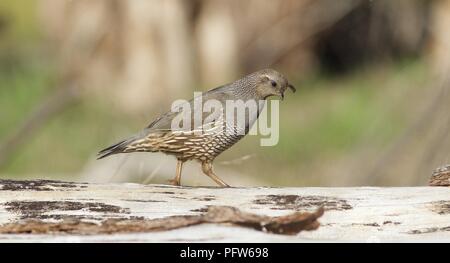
point(290, 86)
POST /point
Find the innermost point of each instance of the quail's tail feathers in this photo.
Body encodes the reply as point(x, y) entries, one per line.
point(119, 147)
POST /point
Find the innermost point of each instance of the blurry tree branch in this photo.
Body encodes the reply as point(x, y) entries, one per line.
point(436, 146)
point(47, 109)
point(417, 128)
point(317, 16)
point(429, 134)
point(65, 95)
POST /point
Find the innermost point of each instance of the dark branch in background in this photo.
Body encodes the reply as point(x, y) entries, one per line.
point(50, 107)
point(439, 101)
point(63, 97)
point(312, 24)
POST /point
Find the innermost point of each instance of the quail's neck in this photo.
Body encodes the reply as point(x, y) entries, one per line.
point(245, 89)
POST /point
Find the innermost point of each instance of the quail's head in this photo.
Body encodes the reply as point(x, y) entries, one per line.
point(269, 82)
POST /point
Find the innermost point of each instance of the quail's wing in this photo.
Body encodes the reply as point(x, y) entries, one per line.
point(164, 122)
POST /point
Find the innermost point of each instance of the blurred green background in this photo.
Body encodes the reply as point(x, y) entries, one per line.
point(372, 106)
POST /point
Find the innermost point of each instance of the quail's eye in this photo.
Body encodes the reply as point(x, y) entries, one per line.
point(274, 84)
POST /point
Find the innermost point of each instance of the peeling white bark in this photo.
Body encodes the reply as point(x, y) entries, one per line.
point(352, 214)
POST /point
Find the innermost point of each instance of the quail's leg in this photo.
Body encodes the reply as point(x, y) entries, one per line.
point(207, 169)
point(176, 181)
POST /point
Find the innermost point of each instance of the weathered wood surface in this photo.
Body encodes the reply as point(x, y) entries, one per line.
point(367, 214)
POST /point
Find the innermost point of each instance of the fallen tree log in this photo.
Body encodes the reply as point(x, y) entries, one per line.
point(54, 211)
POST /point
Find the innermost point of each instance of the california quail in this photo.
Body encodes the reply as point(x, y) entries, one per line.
point(201, 142)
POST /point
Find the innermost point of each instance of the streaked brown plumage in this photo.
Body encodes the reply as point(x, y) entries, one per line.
point(202, 142)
